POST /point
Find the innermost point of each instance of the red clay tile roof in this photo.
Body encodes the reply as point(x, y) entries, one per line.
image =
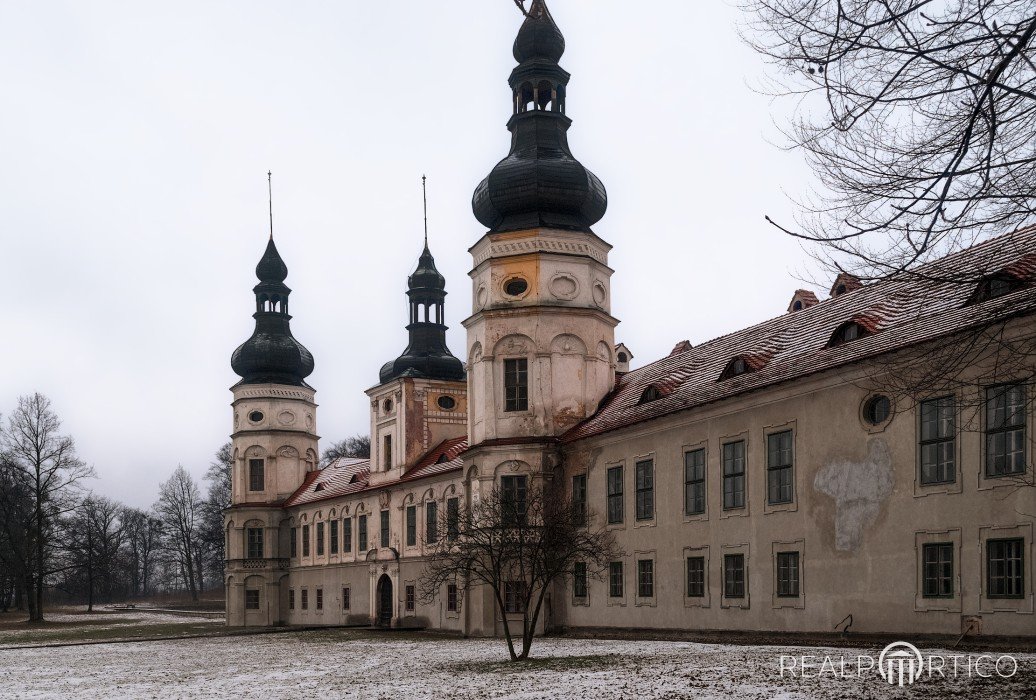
point(347, 476)
point(899, 312)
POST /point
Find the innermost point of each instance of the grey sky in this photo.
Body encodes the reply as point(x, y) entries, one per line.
point(135, 139)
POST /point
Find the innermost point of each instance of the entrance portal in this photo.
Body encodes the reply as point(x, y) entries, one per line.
point(385, 601)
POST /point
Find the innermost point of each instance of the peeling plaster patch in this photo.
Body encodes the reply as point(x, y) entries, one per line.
point(859, 489)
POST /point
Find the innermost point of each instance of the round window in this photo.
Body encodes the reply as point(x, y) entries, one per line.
point(877, 409)
point(447, 403)
point(256, 416)
point(387, 406)
point(516, 287)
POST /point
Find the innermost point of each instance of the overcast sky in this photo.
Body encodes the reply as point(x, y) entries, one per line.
point(135, 139)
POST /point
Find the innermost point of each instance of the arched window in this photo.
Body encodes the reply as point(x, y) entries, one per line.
point(652, 393)
point(846, 333)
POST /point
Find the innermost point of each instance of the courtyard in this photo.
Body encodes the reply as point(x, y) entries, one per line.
point(55, 663)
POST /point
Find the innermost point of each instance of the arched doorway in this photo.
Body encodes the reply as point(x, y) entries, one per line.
point(385, 601)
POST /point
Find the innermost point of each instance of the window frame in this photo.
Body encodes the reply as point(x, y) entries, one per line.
point(614, 494)
point(452, 598)
point(734, 477)
point(293, 546)
point(255, 539)
point(332, 544)
point(363, 536)
point(646, 579)
point(320, 538)
point(409, 597)
point(580, 510)
point(1019, 575)
point(411, 526)
point(514, 499)
point(384, 528)
point(306, 545)
point(616, 582)
point(347, 595)
point(989, 432)
point(347, 535)
point(516, 384)
point(256, 474)
point(253, 601)
point(320, 599)
point(452, 519)
point(644, 489)
point(778, 470)
point(580, 588)
point(923, 442)
point(697, 484)
point(700, 586)
point(730, 585)
point(431, 522)
point(514, 594)
point(941, 548)
point(789, 574)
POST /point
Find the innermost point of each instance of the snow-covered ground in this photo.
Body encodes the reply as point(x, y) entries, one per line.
point(340, 664)
point(75, 625)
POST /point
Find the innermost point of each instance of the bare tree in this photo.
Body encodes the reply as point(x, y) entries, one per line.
point(43, 463)
point(918, 118)
point(15, 517)
point(356, 446)
point(212, 536)
point(179, 508)
point(93, 542)
point(143, 538)
point(519, 544)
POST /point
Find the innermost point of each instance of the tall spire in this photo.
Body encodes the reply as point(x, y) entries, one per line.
point(269, 190)
point(540, 183)
point(272, 355)
point(427, 355)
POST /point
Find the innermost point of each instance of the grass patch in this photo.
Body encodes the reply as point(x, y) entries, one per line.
point(122, 630)
point(559, 664)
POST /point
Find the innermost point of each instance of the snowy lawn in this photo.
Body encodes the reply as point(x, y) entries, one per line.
point(76, 625)
point(354, 664)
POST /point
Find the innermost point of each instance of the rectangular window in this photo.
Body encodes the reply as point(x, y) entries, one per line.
point(779, 461)
point(305, 599)
point(320, 539)
point(411, 597)
point(734, 576)
point(579, 499)
point(645, 478)
point(384, 528)
point(695, 577)
point(305, 540)
point(513, 499)
point(252, 599)
point(1005, 568)
point(411, 526)
point(362, 536)
point(1005, 430)
point(333, 529)
point(291, 599)
point(320, 599)
point(431, 522)
point(514, 597)
point(347, 534)
point(645, 578)
point(734, 475)
point(255, 543)
point(938, 445)
point(387, 452)
point(294, 542)
point(787, 574)
point(256, 474)
point(579, 579)
point(614, 495)
point(615, 579)
point(516, 385)
point(347, 601)
point(451, 597)
point(937, 569)
point(694, 482)
point(452, 519)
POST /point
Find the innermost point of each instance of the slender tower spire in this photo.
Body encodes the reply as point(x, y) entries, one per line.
point(424, 194)
point(269, 190)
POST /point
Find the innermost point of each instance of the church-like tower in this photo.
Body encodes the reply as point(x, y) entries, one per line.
point(421, 397)
point(541, 337)
point(274, 446)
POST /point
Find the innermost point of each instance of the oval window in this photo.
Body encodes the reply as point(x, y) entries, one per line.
point(256, 416)
point(447, 403)
point(877, 410)
point(516, 287)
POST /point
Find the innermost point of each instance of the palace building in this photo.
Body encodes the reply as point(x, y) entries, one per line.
point(765, 480)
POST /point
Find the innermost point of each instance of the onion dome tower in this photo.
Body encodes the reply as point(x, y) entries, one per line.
point(426, 356)
point(539, 183)
point(272, 355)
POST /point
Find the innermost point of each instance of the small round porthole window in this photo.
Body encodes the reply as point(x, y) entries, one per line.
point(516, 287)
point(447, 403)
point(256, 416)
point(877, 409)
point(387, 406)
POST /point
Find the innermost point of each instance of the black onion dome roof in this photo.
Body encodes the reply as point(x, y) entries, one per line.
point(271, 267)
point(426, 276)
point(539, 36)
point(272, 355)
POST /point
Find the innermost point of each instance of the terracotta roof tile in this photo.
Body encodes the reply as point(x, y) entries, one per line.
point(898, 312)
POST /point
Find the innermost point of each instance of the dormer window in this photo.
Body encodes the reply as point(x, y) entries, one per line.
point(847, 333)
point(652, 393)
point(319, 487)
point(995, 286)
point(735, 368)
